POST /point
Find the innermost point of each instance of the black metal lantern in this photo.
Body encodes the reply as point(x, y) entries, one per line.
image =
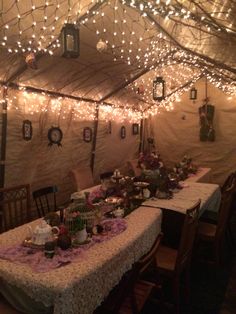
point(70, 41)
point(159, 87)
point(193, 93)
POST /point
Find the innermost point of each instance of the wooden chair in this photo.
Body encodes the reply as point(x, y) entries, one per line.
point(210, 216)
point(172, 263)
point(130, 295)
point(14, 206)
point(214, 234)
point(45, 200)
point(228, 182)
point(82, 178)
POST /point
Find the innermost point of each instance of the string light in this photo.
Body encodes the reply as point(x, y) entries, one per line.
point(37, 103)
point(131, 38)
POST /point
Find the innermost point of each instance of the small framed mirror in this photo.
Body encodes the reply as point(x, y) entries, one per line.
point(135, 128)
point(87, 134)
point(123, 132)
point(27, 130)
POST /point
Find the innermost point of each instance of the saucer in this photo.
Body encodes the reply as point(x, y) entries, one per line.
point(75, 242)
point(29, 243)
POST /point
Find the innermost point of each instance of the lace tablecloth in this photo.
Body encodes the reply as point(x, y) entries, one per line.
point(81, 286)
point(203, 175)
point(209, 194)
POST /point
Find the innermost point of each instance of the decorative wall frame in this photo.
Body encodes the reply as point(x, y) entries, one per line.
point(87, 134)
point(135, 128)
point(27, 130)
point(123, 132)
point(55, 136)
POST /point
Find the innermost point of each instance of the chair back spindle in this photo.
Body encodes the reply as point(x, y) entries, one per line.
point(45, 200)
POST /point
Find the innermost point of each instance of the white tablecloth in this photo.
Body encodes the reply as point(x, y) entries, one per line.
point(81, 286)
point(203, 175)
point(209, 194)
point(78, 194)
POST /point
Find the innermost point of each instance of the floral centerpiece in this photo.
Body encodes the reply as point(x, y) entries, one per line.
point(151, 161)
point(184, 168)
point(81, 214)
point(153, 171)
point(73, 219)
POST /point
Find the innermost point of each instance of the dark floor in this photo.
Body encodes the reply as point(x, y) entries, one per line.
point(208, 289)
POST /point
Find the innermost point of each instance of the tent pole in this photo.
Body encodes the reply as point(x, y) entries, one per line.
point(3, 138)
point(141, 138)
point(94, 143)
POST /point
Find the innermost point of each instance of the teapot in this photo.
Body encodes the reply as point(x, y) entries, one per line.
point(43, 233)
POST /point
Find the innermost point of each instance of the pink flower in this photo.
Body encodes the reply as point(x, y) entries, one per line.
point(75, 214)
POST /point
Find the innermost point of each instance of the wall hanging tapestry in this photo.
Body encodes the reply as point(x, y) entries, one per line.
point(206, 115)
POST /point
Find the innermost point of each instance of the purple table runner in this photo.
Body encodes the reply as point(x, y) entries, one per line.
point(39, 263)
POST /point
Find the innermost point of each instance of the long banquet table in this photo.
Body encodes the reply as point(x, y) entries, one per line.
point(78, 288)
point(203, 175)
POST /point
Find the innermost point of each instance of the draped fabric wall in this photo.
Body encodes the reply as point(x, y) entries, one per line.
point(177, 132)
point(36, 163)
point(112, 151)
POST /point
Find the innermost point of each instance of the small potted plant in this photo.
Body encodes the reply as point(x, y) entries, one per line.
point(75, 224)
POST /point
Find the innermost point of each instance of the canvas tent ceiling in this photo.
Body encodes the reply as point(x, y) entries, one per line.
point(141, 36)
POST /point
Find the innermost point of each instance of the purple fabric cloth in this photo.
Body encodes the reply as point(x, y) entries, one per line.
point(39, 263)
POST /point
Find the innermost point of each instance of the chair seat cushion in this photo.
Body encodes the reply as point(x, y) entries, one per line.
point(206, 230)
point(166, 258)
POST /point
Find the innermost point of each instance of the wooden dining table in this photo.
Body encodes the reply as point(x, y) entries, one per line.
point(80, 286)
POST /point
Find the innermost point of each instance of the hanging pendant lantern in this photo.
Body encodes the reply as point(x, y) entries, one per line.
point(193, 93)
point(101, 46)
point(30, 60)
point(70, 41)
point(159, 87)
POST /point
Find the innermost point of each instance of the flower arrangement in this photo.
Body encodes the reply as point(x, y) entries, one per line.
point(184, 168)
point(153, 171)
point(74, 220)
point(149, 161)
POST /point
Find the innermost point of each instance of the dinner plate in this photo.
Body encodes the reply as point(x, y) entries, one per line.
point(75, 242)
point(113, 200)
point(141, 184)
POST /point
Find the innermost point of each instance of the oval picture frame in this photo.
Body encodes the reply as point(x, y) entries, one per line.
point(87, 134)
point(135, 128)
point(123, 132)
